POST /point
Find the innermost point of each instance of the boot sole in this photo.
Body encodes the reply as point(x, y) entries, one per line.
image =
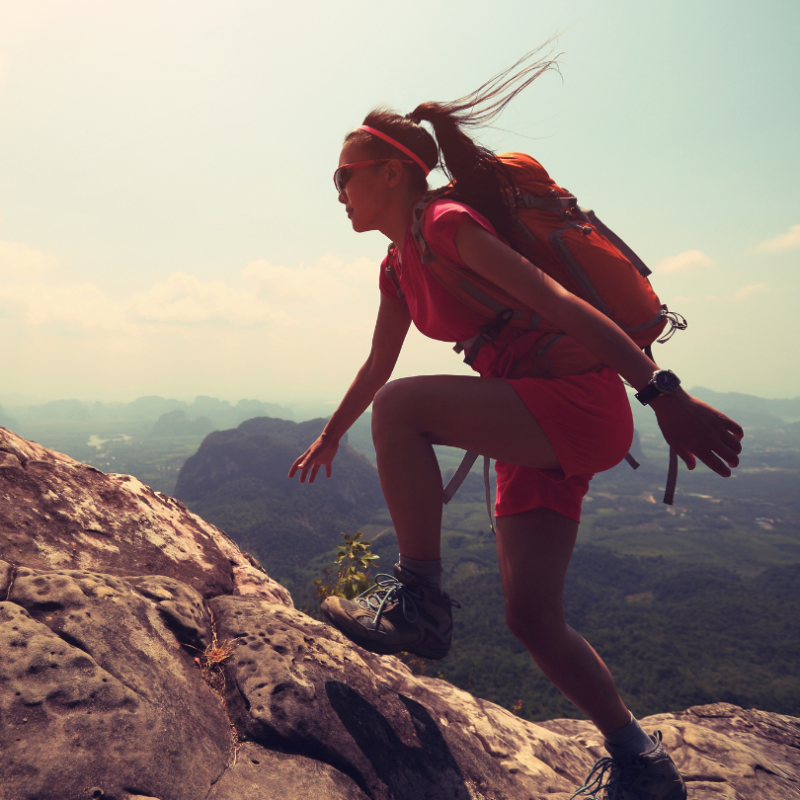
point(678, 793)
point(434, 654)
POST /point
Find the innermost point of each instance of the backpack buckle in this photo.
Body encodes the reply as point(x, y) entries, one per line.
point(491, 330)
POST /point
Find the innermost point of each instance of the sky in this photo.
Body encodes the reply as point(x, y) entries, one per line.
point(168, 223)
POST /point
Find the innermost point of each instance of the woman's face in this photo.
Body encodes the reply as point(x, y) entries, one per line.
point(365, 194)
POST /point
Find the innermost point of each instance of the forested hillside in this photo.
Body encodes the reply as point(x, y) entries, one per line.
point(238, 480)
point(693, 603)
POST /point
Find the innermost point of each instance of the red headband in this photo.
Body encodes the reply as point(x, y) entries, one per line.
point(396, 144)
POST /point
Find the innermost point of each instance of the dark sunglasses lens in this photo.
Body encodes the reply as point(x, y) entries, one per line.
point(340, 178)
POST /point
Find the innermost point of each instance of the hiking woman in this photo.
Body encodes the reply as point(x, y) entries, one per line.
point(549, 435)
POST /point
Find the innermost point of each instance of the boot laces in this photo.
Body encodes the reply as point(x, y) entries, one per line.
point(607, 773)
point(390, 590)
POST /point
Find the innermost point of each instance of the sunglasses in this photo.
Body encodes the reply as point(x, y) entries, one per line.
point(343, 174)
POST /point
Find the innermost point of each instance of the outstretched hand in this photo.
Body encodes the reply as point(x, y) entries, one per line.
point(320, 454)
point(697, 431)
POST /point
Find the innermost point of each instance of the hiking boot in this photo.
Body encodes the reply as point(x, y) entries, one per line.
point(649, 776)
point(400, 613)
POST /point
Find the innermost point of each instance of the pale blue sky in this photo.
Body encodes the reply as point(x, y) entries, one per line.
point(168, 224)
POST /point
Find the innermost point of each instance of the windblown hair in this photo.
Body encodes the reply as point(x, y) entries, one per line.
point(479, 179)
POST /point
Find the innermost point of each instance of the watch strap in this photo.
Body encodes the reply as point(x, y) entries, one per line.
point(648, 394)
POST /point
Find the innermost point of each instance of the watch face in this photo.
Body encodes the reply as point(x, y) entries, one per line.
point(667, 381)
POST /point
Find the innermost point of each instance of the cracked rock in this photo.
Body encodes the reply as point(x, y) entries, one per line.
point(97, 691)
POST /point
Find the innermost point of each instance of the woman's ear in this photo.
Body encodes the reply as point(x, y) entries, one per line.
point(394, 172)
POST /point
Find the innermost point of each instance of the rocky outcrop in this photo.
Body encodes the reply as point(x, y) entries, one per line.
point(143, 656)
point(56, 513)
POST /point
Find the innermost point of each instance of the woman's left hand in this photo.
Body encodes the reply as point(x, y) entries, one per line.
point(697, 431)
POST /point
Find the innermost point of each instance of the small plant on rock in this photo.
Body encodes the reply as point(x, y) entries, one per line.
point(354, 564)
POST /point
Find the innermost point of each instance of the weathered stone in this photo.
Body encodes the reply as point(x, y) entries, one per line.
point(102, 697)
point(297, 685)
point(722, 751)
point(6, 577)
point(261, 774)
point(56, 513)
point(98, 692)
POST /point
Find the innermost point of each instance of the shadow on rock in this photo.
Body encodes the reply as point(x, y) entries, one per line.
point(427, 769)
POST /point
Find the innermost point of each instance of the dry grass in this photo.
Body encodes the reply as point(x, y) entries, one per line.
point(210, 662)
point(211, 659)
point(217, 652)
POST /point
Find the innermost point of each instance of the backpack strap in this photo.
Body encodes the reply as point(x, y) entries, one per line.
point(454, 484)
point(672, 477)
point(672, 469)
point(612, 237)
point(461, 473)
point(554, 202)
point(391, 272)
point(489, 332)
point(634, 464)
point(486, 462)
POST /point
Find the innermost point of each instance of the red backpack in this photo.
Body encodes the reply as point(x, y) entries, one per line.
point(576, 249)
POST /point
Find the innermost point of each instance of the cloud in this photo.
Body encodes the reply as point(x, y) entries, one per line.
point(742, 294)
point(186, 299)
point(328, 296)
point(81, 305)
point(21, 261)
point(688, 261)
point(331, 279)
point(786, 241)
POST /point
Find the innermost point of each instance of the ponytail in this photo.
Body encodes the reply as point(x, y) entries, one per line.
point(479, 179)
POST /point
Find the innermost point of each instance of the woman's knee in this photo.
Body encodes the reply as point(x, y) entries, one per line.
point(536, 625)
point(392, 403)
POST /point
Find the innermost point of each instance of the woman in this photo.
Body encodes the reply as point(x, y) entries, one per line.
point(548, 436)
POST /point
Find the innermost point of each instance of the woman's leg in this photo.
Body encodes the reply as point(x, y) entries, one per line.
point(534, 550)
point(410, 415)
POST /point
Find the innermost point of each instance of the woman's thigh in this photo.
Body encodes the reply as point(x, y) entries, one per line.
point(483, 415)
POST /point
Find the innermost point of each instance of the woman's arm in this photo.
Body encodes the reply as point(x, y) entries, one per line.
point(692, 427)
point(391, 328)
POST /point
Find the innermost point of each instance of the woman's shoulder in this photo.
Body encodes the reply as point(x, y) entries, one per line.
point(443, 216)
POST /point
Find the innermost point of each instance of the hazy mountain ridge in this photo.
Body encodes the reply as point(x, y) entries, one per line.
point(731, 403)
point(238, 480)
point(146, 409)
point(7, 421)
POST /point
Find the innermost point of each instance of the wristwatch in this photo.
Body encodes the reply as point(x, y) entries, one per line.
point(664, 381)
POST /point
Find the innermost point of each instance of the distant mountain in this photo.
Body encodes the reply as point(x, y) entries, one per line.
point(7, 422)
point(39, 420)
point(238, 480)
point(750, 410)
point(175, 423)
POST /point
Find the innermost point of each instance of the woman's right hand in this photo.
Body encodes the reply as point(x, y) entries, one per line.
point(320, 454)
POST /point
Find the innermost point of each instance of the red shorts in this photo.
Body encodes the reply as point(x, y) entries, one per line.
point(588, 420)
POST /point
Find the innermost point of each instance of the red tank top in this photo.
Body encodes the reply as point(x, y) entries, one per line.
point(434, 310)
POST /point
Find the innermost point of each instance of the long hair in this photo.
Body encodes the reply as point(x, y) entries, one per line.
point(478, 178)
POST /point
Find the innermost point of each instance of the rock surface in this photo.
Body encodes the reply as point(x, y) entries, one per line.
point(144, 656)
point(56, 513)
